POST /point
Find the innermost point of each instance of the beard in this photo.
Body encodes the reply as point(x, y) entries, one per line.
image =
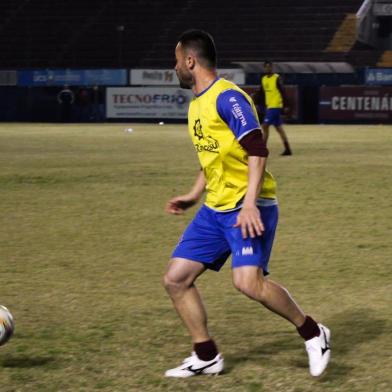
point(185, 85)
point(186, 81)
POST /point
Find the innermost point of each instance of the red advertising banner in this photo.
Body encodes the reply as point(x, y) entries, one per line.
point(292, 97)
point(345, 104)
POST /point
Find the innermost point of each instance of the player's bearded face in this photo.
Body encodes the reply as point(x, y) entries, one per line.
point(185, 78)
point(183, 74)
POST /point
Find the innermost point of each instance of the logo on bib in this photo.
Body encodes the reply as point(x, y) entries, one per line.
point(206, 143)
point(198, 129)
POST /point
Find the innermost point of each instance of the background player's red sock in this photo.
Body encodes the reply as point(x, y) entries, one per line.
point(206, 351)
point(309, 329)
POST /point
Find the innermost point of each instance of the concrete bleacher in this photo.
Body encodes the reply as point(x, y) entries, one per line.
point(123, 33)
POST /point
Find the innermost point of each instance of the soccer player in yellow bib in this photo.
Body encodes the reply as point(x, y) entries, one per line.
point(239, 215)
point(275, 102)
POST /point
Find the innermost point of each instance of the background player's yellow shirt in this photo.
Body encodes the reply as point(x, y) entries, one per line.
point(273, 97)
point(222, 158)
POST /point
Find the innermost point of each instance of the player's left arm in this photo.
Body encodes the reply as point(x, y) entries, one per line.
point(237, 112)
point(249, 218)
point(280, 87)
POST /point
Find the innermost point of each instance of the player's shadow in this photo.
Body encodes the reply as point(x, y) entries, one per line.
point(24, 362)
point(263, 353)
point(349, 330)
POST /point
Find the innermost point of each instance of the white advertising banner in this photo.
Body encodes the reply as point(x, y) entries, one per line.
point(168, 77)
point(147, 102)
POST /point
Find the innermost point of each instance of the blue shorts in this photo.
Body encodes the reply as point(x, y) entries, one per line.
point(210, 239)
point(273, 117)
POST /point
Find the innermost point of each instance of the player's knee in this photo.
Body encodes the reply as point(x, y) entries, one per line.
point(245, 285)
point(252, 287)
point(173, 285)
point(169, 283)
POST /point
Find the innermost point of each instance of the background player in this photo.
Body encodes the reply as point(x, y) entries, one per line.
point(273, 99)
point(239, 216)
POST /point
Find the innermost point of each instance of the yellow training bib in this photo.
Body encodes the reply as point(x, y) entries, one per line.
point(273, 97)
point(223, 160)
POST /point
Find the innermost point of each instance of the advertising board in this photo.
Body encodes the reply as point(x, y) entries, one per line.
point(168, 77)
point(355, 103)
point(147, 102)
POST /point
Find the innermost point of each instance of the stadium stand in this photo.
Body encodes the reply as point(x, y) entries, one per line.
point(281, 30)
point(120, 33)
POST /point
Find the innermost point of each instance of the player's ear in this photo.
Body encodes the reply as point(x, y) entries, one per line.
point(190, 61)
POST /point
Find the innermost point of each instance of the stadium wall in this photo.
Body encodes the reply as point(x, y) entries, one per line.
point(33, 96)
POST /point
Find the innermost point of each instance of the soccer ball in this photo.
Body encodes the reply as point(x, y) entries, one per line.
point(7, 325)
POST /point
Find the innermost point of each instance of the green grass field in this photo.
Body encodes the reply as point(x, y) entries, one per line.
point(84, 242)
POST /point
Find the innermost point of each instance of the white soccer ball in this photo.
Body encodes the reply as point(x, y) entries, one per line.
point(7, 325)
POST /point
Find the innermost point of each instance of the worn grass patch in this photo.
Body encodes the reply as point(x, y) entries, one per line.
point(84, 242)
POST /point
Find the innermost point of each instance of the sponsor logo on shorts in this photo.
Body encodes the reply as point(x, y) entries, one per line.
point(247, 251)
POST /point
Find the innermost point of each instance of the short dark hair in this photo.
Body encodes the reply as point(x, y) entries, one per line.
point(203, 43)
point(267, 62)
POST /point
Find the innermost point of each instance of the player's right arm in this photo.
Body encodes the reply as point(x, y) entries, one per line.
point(259, 100)
point(259, 97)
point(177, 205)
